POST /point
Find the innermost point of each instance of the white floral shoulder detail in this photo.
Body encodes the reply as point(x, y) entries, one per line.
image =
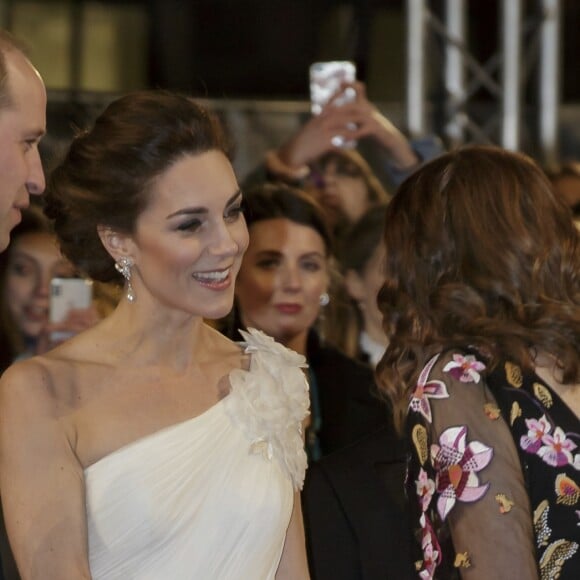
point(270, 401)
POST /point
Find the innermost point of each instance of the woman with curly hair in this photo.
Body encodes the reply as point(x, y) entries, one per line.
point(481, 308)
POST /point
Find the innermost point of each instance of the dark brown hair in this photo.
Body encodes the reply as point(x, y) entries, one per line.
point(106, 175)
point(480, 253)
point(350, 162)
point(277, 200)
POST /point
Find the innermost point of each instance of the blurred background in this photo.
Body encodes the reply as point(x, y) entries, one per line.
point(513, 78)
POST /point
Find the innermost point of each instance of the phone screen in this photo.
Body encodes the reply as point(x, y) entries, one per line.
point(326, 79)
point(67, 294)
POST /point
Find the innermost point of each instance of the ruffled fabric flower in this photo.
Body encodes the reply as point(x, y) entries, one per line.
point(557, 449)
point(425, 489)
point(456, 464)
point(537, 429)
point(270, 402)
point(464, 368)
point(426, 390)
point(431, 549)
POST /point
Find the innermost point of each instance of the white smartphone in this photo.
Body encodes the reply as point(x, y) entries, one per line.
point(325, 80)
point(67, 294)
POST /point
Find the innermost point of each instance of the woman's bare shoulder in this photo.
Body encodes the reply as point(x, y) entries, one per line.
point(37, 382)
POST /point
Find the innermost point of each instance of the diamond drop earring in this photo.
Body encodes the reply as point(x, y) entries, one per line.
point(123, 266)
point(324, 299)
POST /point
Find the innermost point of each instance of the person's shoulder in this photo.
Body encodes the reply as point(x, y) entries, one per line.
point(328, 356)
point(28, 383)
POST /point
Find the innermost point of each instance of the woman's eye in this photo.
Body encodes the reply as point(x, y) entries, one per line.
point(21, 269)
point(189, 226)
point(312, 266)
point(267, 264)
point(234, 212)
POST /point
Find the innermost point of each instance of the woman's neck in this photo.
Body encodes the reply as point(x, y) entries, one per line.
point(547, 369)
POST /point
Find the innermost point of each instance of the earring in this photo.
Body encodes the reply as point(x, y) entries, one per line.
point(324, 299)
point(123, 266)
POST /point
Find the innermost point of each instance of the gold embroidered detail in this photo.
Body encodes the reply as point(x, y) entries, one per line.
point(419, 437)
point(515, 412)
point(462, 560)
point(513, 375)
point(555, 557)
point(567, 490)
point(543, 395)
point(543, 531)
point(505, 504)
point(491, 411)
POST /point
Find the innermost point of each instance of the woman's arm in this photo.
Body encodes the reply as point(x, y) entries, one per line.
point(467, 473)
point(293, 564)
point(41, 480)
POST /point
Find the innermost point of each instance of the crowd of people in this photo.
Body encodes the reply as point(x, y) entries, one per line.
point(315, 374)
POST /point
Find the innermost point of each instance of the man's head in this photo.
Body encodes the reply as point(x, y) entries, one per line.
point(22, 125)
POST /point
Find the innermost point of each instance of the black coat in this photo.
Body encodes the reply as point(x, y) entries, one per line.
point(356, 520)
point(350, 407)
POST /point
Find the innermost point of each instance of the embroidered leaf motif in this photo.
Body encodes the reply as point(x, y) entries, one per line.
point(567, 490)
point(515, 412)
point(462, 560)
point(513, 375)
point(543, 531)
point(505, 504)
point(491, 411)
point(543, 395)
point(419, 436)
point(555, 557)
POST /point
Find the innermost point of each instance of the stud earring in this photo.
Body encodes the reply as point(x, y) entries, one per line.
point(123, 266)
point(324, 299)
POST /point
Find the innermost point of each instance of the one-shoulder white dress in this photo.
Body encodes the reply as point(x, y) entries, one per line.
point(209, 498)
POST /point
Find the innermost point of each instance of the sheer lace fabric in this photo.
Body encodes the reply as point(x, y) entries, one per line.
point(488, 451)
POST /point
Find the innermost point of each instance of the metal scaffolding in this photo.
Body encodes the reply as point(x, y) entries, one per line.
point(528, 43)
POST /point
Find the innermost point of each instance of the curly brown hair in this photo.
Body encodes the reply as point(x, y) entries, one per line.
point(482, 254)
point(105, 178)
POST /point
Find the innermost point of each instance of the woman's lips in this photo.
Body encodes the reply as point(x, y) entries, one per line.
point(288, 308)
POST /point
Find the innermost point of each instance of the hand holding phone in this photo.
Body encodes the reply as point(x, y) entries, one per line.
point(326, 80)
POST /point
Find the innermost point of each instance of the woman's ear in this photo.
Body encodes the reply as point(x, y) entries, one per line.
point(117, 244)
point(354, 285)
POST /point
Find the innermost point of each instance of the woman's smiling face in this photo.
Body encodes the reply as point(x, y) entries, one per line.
point(189, 241)
point(283, 274)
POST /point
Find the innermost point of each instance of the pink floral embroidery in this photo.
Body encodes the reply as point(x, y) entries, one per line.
point(431, 549)
point(427, 389)
point(557, 449)
point(425, 489)
point(456, 464)
point(537, 429)
point(464, 368)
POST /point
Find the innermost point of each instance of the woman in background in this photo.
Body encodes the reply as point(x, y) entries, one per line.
point(283, 289)
point(361, 261)
point(481, 304)
point(26, 268)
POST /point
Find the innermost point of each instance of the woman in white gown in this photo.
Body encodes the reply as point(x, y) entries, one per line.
point(150, 446)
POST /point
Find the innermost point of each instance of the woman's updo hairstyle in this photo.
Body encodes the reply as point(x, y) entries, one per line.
point(106, 175)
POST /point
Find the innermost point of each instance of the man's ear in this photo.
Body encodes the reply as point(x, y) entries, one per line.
point(354, 285)
point(117, 244)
